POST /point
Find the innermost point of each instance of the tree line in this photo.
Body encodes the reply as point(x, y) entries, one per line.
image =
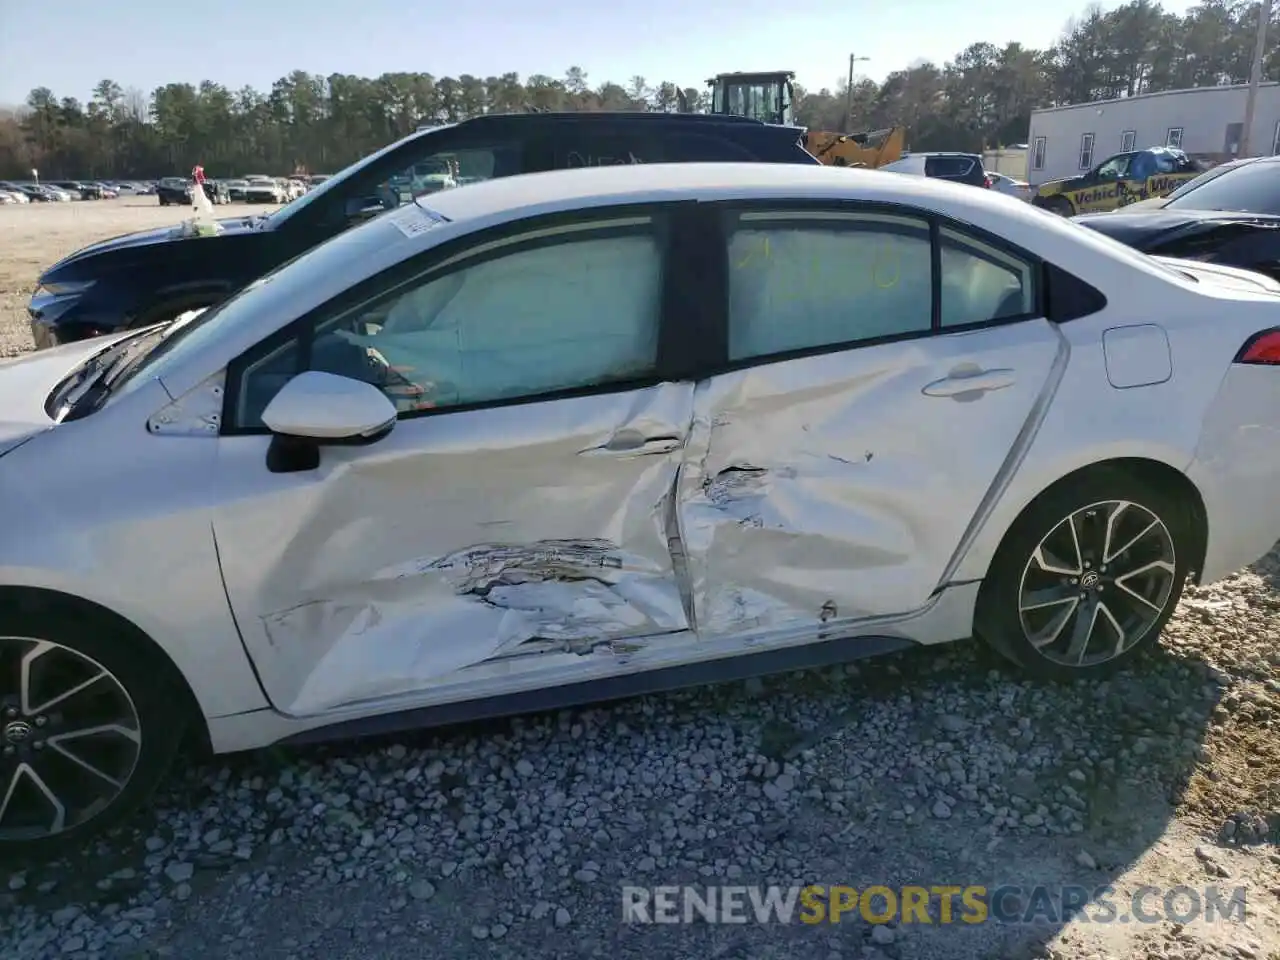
point(307, 122)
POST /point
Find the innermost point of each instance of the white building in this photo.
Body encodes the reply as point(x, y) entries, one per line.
point(1206, 122)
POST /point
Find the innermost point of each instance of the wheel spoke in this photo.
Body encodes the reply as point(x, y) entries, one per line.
point(1040, 599)
point(1081, 633)
point(59, 821)
point(1053, 630)
point(1133, 541)
point(60, 698)
point(1051, 564)
point(1120, 645)
point(1109, 532)
point(39, 649)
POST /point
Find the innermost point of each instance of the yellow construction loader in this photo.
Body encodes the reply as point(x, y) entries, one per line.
point(769, 96)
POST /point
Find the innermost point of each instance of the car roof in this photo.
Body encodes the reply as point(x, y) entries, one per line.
point(512, 198)
point(615, 116)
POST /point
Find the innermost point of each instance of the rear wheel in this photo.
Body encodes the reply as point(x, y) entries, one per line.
point(1087, 577)
point(87, 730)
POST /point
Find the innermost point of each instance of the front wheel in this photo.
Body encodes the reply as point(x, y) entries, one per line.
point(1087, 577)
point(1061, 206)
point(87, 730)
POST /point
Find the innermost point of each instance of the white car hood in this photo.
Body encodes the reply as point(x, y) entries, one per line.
point(25, 383)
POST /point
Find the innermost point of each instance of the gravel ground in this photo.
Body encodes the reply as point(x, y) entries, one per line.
point(513, 839)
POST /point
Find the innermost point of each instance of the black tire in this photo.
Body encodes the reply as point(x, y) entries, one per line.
point(1061, 206)
point(1000, 620)
point(152, 695)
point(164, 202)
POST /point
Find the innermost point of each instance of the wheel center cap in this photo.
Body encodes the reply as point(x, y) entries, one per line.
point(18, 731)
point(1090, 580)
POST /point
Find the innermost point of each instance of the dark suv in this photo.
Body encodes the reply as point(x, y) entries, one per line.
point(153, 276)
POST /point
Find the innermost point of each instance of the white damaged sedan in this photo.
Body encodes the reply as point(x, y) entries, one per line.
point(571, 436)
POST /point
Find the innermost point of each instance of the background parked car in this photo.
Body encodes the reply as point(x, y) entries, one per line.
point(19, 195)
point(262, 189)
point(216, 191)
point(173, 190)
point(1229, 215)
point(40, 194)
point(956, 167)
point(1004, 183)
point(236, 189)
point(1119, 181)
point(148, 278)
point(76, 189)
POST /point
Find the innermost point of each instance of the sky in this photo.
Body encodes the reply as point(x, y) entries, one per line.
point(147, 43)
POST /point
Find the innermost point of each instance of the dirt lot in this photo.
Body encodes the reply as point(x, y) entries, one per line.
point(34, 235)
point(934, 768)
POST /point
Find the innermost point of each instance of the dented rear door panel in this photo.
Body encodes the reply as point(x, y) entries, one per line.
point(840, 486)
point(459, 539)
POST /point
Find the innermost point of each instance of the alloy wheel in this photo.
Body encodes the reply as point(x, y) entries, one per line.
point(1096, 583)
point(70, 739)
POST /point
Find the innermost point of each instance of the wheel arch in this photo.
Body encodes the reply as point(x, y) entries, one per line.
point(1151, 471)
point(42, 599)
point(168, 303)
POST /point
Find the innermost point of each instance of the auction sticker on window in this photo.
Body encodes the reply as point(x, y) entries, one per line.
point(413, 220)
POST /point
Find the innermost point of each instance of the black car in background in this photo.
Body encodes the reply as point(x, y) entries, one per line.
point(153, 276)
point(79, 189)
point(173, 190)
point(1229, 215)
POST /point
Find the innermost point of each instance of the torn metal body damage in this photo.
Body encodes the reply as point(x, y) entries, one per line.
point(455, 541)
point(811, 491)
point(759, 503)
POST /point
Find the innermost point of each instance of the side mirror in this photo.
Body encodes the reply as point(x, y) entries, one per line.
point(328, 409)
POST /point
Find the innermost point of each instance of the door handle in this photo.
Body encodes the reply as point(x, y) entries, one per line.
point(629, 443)
point(974, 384)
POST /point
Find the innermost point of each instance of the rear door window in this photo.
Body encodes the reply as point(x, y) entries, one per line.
point(952, 168)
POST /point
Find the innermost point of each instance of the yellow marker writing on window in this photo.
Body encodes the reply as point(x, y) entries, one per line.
point(884, 272)
point(886, 252)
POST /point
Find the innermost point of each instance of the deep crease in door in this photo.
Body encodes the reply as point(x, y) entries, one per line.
point(454, 543)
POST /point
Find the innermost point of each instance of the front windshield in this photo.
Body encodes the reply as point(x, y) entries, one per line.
point(1211, 174)
point(335, 180)
point(1251, 188)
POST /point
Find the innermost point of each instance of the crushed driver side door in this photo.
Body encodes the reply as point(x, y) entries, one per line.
point(514, 522)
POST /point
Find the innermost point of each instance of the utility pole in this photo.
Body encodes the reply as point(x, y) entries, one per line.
point(848, 106)
point(1255, 77)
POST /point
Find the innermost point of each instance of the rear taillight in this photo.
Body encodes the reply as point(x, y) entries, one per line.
point(986, 182)
point(1263, 348)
